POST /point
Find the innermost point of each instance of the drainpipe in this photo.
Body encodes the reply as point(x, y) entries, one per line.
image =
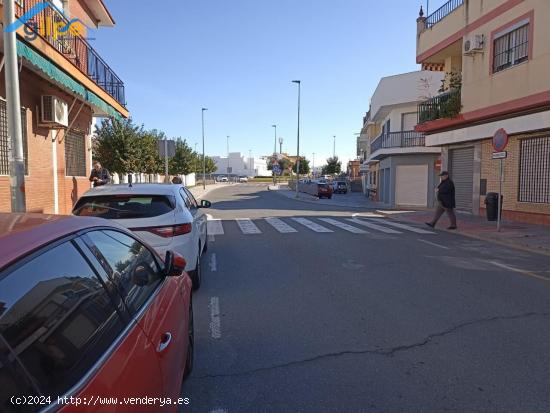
point(54, 133)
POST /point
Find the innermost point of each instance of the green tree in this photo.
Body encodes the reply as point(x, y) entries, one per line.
point(210, 164)
point(333, 166)
point(184, 161)
point(304, 166)
point(149, 161)
point(116, 145)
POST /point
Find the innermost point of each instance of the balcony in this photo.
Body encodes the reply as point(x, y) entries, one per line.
point(405, 139)
point(443, 12)
point(74, 47)
point(444, 106)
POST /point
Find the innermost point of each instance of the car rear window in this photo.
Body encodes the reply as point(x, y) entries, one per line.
point(124, 206)
point(323, 186)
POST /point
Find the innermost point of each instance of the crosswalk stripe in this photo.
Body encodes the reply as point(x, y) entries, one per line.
point(343, 225)
point(405, 227)
point(247, 226)
point(214, 227)
point(374, 226)
point(280, 225)
point(311, 225)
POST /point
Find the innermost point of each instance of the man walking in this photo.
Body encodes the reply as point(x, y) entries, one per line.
point(446, 201)
point(99, 176)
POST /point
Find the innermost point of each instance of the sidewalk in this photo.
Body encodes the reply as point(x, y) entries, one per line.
point(349, 200)
point(527, 237)
point(199, 193)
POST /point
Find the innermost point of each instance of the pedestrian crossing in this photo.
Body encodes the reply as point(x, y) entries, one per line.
point(321, 225)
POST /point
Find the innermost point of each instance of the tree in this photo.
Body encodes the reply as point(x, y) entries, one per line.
point(304, 166)
point(210, 165)
point(116, 145)
point(333, 166)
point(149, 161)
point(184, 161)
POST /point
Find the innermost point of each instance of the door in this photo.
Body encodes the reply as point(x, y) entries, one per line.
point(199, 218)
point(159, 304)
point(462, 174)
point(411, 185)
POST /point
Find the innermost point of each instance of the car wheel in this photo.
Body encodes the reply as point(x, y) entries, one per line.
point(190, 344)
point(196, 274)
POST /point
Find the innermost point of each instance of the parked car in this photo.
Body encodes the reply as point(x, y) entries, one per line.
point(224, 179)
point(243, 179)
point(340, 187)
point(324, 190)
point(88, 309)
point(166, 216)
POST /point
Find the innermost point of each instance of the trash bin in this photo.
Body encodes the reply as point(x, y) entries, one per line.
point(491, 205)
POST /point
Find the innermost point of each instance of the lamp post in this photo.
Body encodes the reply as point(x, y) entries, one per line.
point(250, 159)
point(275, 144)
point(203, 157)
point(334, 147)
point(280, 145)
point(13, 100)
point(313, 168)
point(227, 158)
point(299, 83)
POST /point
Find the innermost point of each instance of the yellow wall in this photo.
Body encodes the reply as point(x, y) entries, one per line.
point(429, 38)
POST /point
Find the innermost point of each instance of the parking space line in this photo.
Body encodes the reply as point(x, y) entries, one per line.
point(213, 263)
point(519, 270)
point(215, 227)
point(343, 225)
point(215, 321)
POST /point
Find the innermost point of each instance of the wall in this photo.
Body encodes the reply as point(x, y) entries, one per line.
point(39, 181)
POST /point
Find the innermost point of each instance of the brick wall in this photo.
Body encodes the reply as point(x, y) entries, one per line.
point(39, 181)
point(512, 208)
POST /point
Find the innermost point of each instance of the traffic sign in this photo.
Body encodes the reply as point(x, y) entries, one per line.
point(500, 140)
point(277, 170)
point(500, 155)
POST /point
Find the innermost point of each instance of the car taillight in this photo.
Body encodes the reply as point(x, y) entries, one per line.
point(168, 231)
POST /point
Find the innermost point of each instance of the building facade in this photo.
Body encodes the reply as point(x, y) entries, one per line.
point(237, 164)
point(64, 84)
point(496, 56)
point(402, 170)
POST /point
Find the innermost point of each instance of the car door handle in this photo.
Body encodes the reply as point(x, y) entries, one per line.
point(164, 342)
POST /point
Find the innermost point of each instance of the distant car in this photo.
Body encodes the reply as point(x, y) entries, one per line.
point(224, 179)
point(243, 179)
point(340, 187)
point(166, 216)
point(324, 190)
point(89, 310)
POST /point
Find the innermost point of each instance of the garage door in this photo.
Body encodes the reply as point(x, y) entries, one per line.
point(411, 188)
point(462, 174)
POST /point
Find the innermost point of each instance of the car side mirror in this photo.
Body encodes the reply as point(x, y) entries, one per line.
point(174, 264)
point(205, 204)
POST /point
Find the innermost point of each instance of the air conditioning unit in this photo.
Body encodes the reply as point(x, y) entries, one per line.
point(474, 43)
point(55, 111)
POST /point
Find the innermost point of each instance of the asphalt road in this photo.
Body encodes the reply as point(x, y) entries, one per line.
point(377, 321)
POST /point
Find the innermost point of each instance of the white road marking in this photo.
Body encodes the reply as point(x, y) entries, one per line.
point(367, 215)
point(519, 270)
point(374, 226)
point(280, 225)
point(344, 226)
point(406, 227)
point(218, 411)
point(433, 244)
point(215, 321)
point(311, 225)
point(213, 263)
point(247, 226)
point(215, 227)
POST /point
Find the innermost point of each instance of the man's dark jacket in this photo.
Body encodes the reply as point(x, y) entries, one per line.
point(102, 175)
point(446, 194)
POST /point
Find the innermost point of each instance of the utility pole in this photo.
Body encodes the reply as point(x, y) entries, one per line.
point(313, 168)
point(334, 147)
point(275, 144)
point(203, 157)
point(228, 159)
point(250, 159)
point(280, 145)
point(15, 132)
point(299, 83)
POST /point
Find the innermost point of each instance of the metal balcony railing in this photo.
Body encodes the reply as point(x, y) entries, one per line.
point(442, 12)
point(404, 139)
point(73, 46)
point(445, 105)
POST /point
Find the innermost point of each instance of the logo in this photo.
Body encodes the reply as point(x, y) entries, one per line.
point(46, 20)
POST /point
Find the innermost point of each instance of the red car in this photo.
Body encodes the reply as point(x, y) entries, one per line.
point(89, 311)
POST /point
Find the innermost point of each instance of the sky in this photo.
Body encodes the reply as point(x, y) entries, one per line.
point(238, 58)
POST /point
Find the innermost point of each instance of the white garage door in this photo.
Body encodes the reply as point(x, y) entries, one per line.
point(411, 187)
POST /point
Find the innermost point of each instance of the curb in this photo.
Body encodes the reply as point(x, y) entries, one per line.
point(316, 201)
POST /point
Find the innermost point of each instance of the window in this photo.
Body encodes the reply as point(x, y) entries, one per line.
point(191, 198)
point(130, 265)
point(511, 48)
point(4, 141)
point(124, 206)
point(186, 199)
point(534, 171)
point(75, 154)
point(57, 318)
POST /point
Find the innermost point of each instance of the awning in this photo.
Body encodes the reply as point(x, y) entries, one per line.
point(58, 76)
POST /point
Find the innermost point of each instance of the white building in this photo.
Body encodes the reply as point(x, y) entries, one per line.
point(239, 165)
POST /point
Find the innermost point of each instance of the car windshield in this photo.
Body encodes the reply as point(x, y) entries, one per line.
point(124, 206)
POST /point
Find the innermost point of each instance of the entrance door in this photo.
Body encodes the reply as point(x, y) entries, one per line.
point(462, 174)
point(411, 185)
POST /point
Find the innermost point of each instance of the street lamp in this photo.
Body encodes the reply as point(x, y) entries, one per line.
point(275, 144)
point(313, 168)
point(334, 147)
point(299, 83)
point(250, 159)
point(203, 157)
point(280, 145)
point(228, 158)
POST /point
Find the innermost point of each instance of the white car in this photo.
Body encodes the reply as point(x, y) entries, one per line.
point(166, 216)
point(243, 179)
point(224, 179)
